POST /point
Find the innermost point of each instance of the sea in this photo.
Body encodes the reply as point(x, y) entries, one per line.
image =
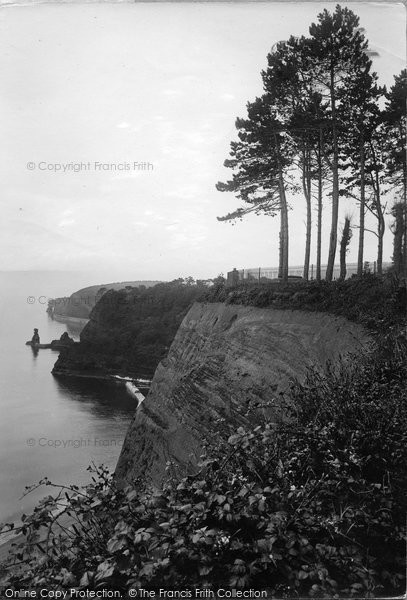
point(49, 427)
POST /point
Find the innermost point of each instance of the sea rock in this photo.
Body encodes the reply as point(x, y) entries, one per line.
point(64, 342)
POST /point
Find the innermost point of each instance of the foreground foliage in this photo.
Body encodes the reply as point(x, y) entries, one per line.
point(315, 507)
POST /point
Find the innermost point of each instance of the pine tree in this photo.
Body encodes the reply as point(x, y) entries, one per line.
point(395, 126)
point(396, 147)
point(375, 178)
point(362, 109)
point(337, 53)
point(288, 79)
point(260, 160)
point(319, 113)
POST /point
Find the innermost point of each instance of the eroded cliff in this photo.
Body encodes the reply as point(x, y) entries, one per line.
point(227, 363)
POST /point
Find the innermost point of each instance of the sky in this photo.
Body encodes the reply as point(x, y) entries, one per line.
point(115, 121)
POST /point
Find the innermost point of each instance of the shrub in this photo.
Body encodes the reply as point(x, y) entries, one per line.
point(371, 300)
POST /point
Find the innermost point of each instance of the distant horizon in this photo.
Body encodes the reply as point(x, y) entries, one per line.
point(348, 263)
point(183, 276)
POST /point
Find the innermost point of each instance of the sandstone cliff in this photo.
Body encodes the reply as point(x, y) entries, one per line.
point(225, 364)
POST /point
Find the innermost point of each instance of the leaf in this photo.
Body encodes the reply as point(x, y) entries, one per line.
point(123, 528)
point(68, 578)
point(116, 544)
point(86, 579)
point(104, 571)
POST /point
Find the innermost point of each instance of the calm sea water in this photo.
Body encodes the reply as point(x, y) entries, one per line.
point(48, 426)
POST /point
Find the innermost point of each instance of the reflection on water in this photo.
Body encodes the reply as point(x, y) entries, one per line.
point(34, 351)
point(49, 426)
point(96, 396)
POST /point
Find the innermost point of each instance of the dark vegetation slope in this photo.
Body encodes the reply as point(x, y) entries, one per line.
point(130, 330)
point(80, 303)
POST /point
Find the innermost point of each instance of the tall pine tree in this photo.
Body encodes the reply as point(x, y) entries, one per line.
point(338, 59)
point(261, 160)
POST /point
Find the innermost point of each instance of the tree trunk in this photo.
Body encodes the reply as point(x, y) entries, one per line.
point(280, 248)
point(335, 188)
point(381, 226)
point(404, 243)
point(380, 231)
point(346, 235)
point(306, 184)
point(319, 217)
point(398, 212)
point(361, 209)
point(404, 159)
point(284, 230)
point(284, 216)
point(380, 248)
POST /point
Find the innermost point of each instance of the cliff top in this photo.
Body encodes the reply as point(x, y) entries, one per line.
point(375, 302)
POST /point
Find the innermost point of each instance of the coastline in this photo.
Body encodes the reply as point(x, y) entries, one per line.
point(76, 322)
point(133, 385)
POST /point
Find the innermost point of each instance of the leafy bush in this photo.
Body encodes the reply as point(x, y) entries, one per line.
point(376, 302)
point(313, 507)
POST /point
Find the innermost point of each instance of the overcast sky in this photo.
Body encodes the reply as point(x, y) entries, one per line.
point(155, 83)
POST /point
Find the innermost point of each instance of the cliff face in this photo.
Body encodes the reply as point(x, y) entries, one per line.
point(226, 363)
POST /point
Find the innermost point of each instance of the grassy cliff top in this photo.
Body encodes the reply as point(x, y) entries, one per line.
point(376, 302)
